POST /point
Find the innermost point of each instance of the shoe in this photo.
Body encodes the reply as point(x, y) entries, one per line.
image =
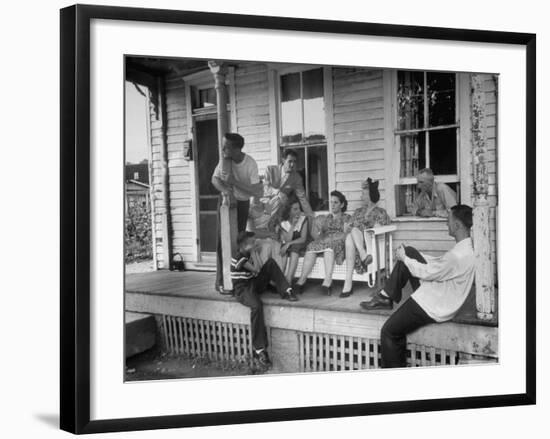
point(327, 290)
point(366, 262)
point(377, 302)
point(346, 293)
point(289, 295)
point(298, 289)
point(262, 358)
point(220, 289)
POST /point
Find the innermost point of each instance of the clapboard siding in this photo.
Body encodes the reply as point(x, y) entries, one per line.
point(427, 236)
point(252, 107)
point(358, 114)
point(179, 170)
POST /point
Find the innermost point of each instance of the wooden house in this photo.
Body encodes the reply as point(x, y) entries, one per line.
point(347, 124)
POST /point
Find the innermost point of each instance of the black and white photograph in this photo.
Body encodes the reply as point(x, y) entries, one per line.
point(285, 218)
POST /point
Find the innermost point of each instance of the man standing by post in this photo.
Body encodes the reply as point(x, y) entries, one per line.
point(285, 176)
point(441, 286)
point(242, 182)
point(434, 199)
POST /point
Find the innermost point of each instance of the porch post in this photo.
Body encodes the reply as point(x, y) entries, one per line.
point(228, 212)
point(484, 278)
point(166, 213)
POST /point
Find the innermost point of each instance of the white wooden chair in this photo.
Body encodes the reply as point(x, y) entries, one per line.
point(379, 244)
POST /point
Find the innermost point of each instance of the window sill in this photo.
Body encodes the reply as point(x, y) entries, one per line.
point(418, 219)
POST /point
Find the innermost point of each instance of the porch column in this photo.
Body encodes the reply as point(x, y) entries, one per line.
point(166, 213)
point(228, 212)
point(484, 278)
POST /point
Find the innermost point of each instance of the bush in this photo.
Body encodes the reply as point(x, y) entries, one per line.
point(138, 241)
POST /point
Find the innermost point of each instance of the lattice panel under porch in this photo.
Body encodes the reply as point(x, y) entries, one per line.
point(215, 340)
point(328, 352)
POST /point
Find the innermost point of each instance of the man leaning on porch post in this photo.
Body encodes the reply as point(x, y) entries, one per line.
point(237, 179)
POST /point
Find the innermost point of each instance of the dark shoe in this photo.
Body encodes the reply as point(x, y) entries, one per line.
point(220, 289)
point(289, 295)
point(327, 290)
point(346, 293)
point(298, 289)
point(262, 358)
point(366, 262)
point(377, 302)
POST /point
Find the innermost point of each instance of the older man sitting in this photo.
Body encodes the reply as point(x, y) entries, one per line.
point(434, 199)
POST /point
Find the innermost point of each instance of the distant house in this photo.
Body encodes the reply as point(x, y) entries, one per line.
point(137, 172)
point(137, 194)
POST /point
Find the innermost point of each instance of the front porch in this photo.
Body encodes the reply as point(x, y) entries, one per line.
point(317, 333)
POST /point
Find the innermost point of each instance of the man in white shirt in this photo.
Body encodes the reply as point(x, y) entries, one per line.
point(243, 182)
point(441, 286)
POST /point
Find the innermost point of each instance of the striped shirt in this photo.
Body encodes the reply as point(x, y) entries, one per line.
point(238, 272)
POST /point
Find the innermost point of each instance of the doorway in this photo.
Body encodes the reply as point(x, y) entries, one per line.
point(206, 135)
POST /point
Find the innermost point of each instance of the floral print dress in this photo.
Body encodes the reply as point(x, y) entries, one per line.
point(332, 236)
point(364, 219)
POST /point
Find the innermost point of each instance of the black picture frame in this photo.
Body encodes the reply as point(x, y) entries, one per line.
point(75, 217)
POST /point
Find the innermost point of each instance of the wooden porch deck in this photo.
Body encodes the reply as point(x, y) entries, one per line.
point(188, 308)
point(200, 285)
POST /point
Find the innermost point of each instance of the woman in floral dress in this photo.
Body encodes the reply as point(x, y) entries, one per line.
point(329, 240)
point(369, 215)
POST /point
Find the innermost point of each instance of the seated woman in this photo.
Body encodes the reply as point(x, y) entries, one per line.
point(329, 238)
point(293, 233)
point(369, 215)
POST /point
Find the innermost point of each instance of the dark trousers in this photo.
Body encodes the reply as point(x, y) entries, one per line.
point(248, 293)
point(242, 217)
point(407, 318)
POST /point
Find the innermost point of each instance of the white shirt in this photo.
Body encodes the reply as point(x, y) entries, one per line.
point(245, 172)
point(444, 281)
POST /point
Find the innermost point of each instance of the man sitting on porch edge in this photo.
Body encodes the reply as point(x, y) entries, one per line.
point(441, 286)
point(249, 282)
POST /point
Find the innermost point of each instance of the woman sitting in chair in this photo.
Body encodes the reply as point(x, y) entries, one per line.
point(329, 238)
point(369, 215)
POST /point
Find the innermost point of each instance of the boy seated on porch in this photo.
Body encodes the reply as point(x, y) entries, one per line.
point(441, 286)
point(249, 281)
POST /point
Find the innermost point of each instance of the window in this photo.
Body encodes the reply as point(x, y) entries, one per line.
point(426, 132)
point(302, 128)
point(203, 98)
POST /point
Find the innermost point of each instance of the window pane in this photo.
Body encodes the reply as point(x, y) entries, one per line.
point(317, 178)
point(207, 97)
point(405, 196)
point(413, 154)
point(313, 84)
point(290, 87)
point(291, 121)
point(443, 151)
point(314, 119)
point(441, 98)
point(291, 109)
point(410, 100)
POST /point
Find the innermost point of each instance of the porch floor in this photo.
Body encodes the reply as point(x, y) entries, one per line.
point(200, 285)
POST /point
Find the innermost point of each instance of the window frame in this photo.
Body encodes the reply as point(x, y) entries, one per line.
point(397, 134)
point(275, 72)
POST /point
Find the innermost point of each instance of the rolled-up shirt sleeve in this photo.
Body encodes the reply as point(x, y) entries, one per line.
point(435, 270)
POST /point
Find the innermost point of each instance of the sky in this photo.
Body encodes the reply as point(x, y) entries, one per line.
point(136, 125)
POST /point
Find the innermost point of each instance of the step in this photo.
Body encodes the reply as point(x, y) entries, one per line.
point(141, 332)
